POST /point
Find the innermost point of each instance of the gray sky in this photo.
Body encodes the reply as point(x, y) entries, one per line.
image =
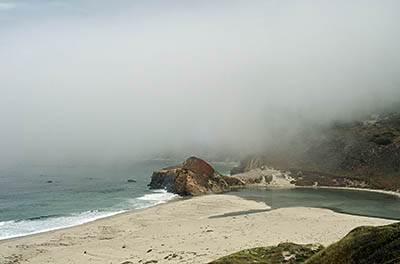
point(111, 80)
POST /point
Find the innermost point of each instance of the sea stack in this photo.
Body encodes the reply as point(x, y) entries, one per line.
point(193, 177)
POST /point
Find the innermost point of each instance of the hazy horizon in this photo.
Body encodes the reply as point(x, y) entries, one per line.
point(122, 80)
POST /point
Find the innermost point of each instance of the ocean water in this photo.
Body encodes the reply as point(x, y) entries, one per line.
point(40, 198)
point(353, 202)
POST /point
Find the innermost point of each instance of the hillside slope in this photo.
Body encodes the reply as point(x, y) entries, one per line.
point(358, 154)
point(363, 245)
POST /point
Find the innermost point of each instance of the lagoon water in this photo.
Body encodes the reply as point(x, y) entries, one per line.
point(39, 198)
point(343, 201)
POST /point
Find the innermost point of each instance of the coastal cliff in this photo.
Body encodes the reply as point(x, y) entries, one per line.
point(363, 154)
point(193, 177)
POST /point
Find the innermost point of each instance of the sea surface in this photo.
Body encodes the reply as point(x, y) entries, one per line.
point(40, 198)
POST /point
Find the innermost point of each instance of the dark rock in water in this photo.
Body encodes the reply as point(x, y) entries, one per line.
point(193, 177)
point(130, 181)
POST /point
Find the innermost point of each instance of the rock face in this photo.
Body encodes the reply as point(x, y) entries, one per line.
point(193, 177)
point(249, 163)
point(363, 154)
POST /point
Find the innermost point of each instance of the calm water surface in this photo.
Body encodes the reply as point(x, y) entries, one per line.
point(39, 198)
point(343, 201)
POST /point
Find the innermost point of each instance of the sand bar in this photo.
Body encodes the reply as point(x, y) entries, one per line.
point(182, 232)
point(397, 194)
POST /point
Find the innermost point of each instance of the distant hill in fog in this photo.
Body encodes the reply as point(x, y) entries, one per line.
point(361, 153)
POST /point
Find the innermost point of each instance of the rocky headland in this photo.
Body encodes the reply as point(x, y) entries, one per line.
point(362, 154)
point(195, 177)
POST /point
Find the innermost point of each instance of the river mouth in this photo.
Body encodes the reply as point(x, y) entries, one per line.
point(354, 202)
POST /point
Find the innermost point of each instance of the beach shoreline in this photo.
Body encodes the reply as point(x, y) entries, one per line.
point(397, 194)
point(178, 198)
point(116, 214)
point(182, 231)
point(50, 223)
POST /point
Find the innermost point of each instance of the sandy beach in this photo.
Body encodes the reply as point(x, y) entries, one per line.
point(182, 232)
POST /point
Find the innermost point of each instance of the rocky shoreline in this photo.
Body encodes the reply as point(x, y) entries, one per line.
point(358, 154)
point(196, 177)
point(193, 177)
point(185, 231)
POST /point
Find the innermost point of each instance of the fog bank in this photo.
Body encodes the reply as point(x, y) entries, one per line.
point(101, 80)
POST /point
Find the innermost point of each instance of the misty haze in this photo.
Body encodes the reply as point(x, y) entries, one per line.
point(283, 117)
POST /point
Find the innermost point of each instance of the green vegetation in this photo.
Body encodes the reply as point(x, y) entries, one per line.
point(363, 245)
point(357, 154)
point(283, 253)
point(382, 139)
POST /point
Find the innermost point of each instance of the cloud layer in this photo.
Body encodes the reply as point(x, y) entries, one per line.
point(81, 82)
point(7, 6)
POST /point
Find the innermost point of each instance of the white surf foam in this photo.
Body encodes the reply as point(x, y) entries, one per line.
point(11, 229)
point(157, 197)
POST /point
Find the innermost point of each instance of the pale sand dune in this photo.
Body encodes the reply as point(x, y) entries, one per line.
point(182, 232)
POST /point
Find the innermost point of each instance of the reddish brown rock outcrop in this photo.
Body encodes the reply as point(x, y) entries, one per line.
point(193, 177)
